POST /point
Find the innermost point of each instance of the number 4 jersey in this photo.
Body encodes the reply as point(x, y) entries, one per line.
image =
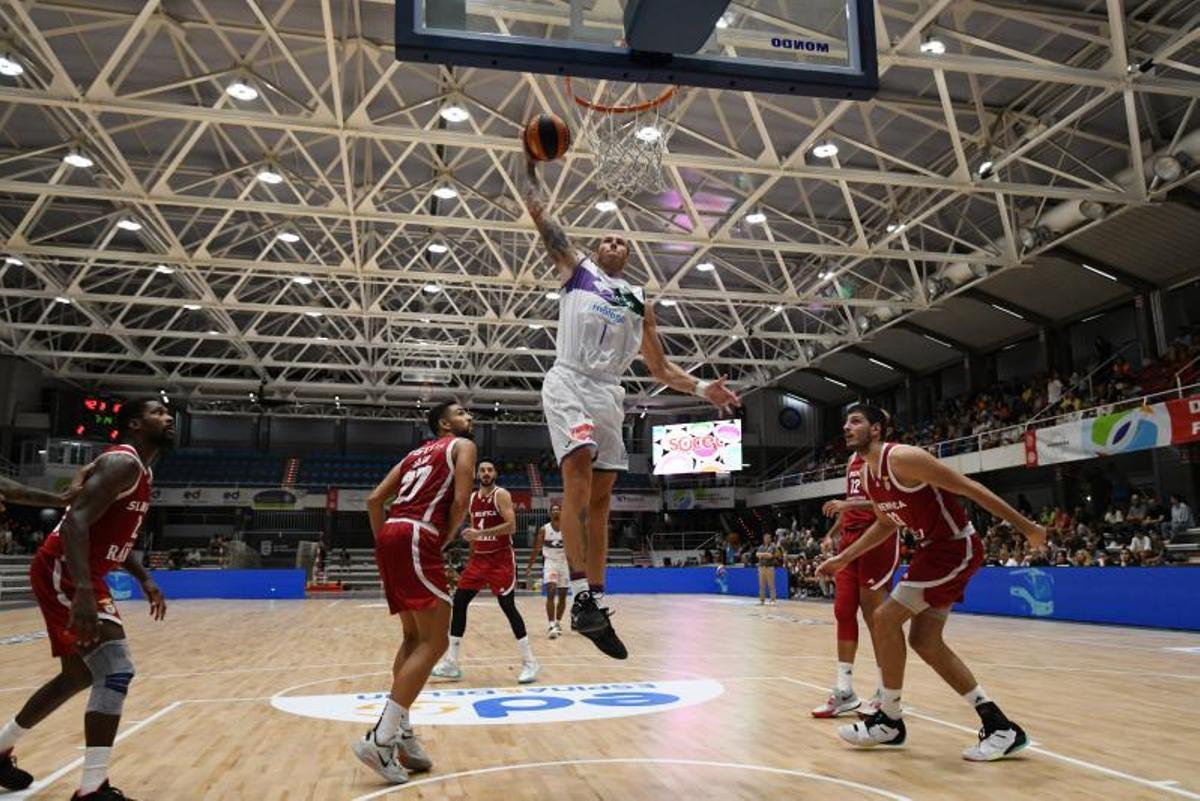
point(111, 538)
point(427, 474)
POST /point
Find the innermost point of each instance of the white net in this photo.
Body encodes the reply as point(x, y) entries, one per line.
point(627, 127)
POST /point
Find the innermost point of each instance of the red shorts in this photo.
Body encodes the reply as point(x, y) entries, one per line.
point(496, 570)
point(873, 570)
point(409, 556)
point(53, 589)
point(939, 573)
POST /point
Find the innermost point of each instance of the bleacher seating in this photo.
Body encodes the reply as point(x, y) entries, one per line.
point(14, 578)
point(195, 466)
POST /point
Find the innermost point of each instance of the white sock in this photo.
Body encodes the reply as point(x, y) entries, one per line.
point(976, 696)
point(95, 769)
point(844, 672)
point(889, 703)
point(9, 735)
point(579, 585)
point(393, 719)
point(455, 643)
point(526, 649)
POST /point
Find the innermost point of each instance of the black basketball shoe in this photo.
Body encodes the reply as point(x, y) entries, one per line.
point(12, 777)
point(105, 792)
point(591, 620)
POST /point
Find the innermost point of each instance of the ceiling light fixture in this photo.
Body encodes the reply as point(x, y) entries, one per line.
point(552, 295)
point(825, 150)
point(841, 384)
point(302, 280)
point(941, 342)
point(536, 326)
point(607, 206)
point(722, 23)
point(454, 113)
point(648, 134)
point(706, 267)
point(13, 261)
point(313, 314)
point(241, 90)
point(163, 269)
point(777, 308)
point(129, 224)
point(10, 66)
point(213, 332)
point(1007, 311)
point(884, 365)
point(288, 236)
point(192, 306)
point(432, 289)
point(1100, 272)
point(668, 302)
point(894, 227)
point(63, 300)
point(437, 248)
point(269, 176)
point(932, 46)
point(756, 218)
point(1091, 317)
point(985, 169)
point(445, 192)
point(76, 158)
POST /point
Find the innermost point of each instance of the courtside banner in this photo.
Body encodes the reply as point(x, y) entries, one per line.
point(1157, 425)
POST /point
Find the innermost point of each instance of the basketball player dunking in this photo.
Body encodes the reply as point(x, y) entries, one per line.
point(95, 536)
point(603, 323)
point(910, 488)
point(431, 488)
point(862, 584)
point(555, 572)
point(492, 564)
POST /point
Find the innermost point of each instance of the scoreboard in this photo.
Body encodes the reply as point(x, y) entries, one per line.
point(96, 418)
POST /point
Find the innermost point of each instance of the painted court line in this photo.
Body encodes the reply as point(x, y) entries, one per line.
point(41, 784)
point(638, 761)
point(1167, 786)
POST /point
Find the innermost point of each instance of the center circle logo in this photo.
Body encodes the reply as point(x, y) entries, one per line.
point(500, 706)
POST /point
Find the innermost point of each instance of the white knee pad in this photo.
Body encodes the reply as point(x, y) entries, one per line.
point(112, 670)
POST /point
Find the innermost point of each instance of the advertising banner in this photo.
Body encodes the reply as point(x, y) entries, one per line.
point(712, 446)
point(1157, 425)
point(700, 498)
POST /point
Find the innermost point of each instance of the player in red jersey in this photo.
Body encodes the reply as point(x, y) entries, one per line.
point(492, 564)
point(910, 488)
point(431, 490)
point(95, 536)
point(861, 584)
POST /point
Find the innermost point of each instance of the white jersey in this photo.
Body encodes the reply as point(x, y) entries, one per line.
point(552, 543)
point(599, 323)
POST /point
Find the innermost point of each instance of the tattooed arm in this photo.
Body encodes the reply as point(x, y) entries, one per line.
point(15, 492)
point(565, 255)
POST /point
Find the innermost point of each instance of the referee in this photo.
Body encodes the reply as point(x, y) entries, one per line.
point(769, 556)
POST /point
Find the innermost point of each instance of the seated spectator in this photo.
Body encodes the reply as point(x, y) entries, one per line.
point(1081, 559)
point(1181, 518)
point(1140, 543)
point(1137, 510)
point(193, 558)
point(1060, 559)
point(1126, 559)
point(1154, 512)
point(1113, 519)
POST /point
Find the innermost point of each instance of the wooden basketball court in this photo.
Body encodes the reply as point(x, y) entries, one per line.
point(1107, 707)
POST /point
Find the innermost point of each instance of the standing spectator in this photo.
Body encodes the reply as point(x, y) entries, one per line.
point(1054, 389)
point(1181, 518)
point(768, 555)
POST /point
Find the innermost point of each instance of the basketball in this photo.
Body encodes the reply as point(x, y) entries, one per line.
point(546, 137)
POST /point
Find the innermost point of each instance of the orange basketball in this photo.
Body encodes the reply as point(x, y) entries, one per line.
point(546, 137)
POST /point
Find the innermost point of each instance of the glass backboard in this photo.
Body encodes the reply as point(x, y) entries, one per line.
point(805, 47)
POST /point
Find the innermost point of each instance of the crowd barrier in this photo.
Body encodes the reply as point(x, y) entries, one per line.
point(1158, 597)
point(684, 580)
point(178, 584)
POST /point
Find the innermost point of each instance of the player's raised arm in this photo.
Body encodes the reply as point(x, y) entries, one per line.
point(465, 453)
point(380, 496)
point(110, 478)
point(565, 255)
point(18, 493)
point(915, 465)
point(675, 377)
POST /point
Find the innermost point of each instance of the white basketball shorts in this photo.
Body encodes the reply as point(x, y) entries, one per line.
point(556, 571)
point(582, 412)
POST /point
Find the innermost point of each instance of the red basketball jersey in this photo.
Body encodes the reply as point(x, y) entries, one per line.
point(485, 514)
point(931, 514)
point(426, 484)
point(111, 538)
point(855, 521)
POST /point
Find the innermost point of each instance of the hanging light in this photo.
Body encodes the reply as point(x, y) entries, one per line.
point(825, 150)
point(63, 300)
point(10, 66)
point(241, 90)
point(432, 289)
point(985, 169)
point(192, 306)
point(756, 218)
point(606, 206)
point(288, 237)
point(445, 192)
point(313, 314)
point(536, 326)
point(269, 176)
point(129, 224)
point(13, 261)
point(705, 267)
point(668, 302)
point(163, 269)
point(437, 248)
point(454, 113)
point(894, 227)
point(552, 295)
point(77, 158)
point(933, 46)
point(302, 280)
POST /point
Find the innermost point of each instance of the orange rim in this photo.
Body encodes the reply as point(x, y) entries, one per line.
point(667, 94)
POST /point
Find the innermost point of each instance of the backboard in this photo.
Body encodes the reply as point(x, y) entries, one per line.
point(821, 48)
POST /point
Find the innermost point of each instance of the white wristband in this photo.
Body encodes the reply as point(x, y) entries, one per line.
point(701, 388)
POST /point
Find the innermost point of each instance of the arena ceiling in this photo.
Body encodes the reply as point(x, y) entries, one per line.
point(901, 232)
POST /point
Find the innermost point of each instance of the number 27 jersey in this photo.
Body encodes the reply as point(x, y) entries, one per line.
point(426, 477)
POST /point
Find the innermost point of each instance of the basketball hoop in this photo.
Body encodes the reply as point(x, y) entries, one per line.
point(627, 127)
